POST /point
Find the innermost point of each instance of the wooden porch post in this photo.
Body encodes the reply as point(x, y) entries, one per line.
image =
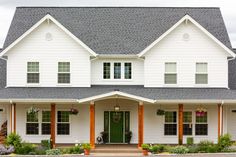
point(140, 124)
point(220, 114)
point(53, 125)
point(14, 117)
point(180, 126)
point(92, 124)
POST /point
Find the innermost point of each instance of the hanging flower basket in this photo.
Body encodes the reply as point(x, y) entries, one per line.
point(74, 111)
point(32, 110)
point(200, 112)
point(160, 112)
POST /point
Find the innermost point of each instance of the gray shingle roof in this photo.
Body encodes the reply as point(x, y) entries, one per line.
point(117, 30)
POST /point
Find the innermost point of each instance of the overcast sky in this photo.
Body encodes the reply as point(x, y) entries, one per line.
point(228, 9)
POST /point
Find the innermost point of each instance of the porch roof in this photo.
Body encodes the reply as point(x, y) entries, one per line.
point(140, 92)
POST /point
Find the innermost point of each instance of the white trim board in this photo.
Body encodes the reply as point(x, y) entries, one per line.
point(47, 17)
point(186, 18)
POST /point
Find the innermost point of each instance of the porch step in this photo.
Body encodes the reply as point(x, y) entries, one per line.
point(117, 149)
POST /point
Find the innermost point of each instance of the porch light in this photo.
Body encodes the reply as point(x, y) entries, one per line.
point(117, 108)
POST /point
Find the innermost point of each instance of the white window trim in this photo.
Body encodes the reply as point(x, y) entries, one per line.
point(195, 122)
point(26, 122)
point(62, 122)
point(192, 123)
point(63, 84)
point(39, 72)
point(167, 84)
point(201, 73)
point(122, 71)
point(44, 122)
point(177, 123)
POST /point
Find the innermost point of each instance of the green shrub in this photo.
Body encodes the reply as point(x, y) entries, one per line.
point(53, 152)
point(25, 148)
point(75, 150)
point(157, 149)
point(212, 149)
point(193, 148)
point(14, 140)
point(204, 146)
point(46, 144)
point(190, 141)
point(40, 150)
point(225, 142)
point(86, 146)
point(179, 150)
point(145, 146)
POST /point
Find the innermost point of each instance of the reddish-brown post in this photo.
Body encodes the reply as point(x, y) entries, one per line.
point(140, 124)
point(53, 125)
point(14, 118)
point(92, 125)
point(180, 128)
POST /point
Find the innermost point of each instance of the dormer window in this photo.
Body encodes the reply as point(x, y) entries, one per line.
point(106, 70)
point(201, 76)
point(117, 70)
point(63, 72)
point(128, 71)
point(33, 72)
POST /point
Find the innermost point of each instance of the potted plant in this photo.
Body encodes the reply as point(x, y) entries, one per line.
point(145, 148)
point(74, 111)
point(160, 112)
point(87, 148)
point(128, 135)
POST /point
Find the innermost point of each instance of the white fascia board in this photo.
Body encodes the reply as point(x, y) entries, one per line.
point(17, 100)
point(47, 17)
point(116, 93)
point(117, 56)
point(187, 17)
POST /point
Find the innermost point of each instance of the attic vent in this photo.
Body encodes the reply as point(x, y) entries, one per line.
point(186, 36)
point(48, 36)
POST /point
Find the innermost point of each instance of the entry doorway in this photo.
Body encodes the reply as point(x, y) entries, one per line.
point(117, 124)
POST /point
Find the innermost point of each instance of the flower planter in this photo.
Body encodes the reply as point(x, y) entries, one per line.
point(145, 152)
point(86, 152)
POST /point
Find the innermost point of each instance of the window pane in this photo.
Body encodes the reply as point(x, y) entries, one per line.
point(128, 70)
point(63, 77)
point(32, 117)
point(46, 128)
point(32, 77)
point(170, 129)
point(46, 116)
point(106, 70)
point(201, 129)
point(170, 78)
point(170, 117)
point(32, 128)
point(201, 67)
point(201, 79)
point(187, 129)
point(63, 129)
point(201, 119)
point(170, 67)
point(187, 117)
point(117, 70)
point(63, 66)
point(33, 67)
point(63, 116)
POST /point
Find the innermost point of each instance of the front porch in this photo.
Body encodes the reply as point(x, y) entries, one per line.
point(135, 115)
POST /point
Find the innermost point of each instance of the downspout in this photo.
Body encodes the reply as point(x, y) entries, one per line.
point(221, 117)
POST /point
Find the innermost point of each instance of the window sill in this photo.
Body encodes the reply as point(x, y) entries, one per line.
point(170, 85)
point(64, 85)
point(117, 80)
point(33, 85)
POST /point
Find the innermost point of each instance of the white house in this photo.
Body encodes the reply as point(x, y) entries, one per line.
point(164, 74)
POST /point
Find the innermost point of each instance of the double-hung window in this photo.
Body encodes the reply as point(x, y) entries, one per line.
point(106, 70)
point(32, 124)
point(128, 70)
point(201, 126)
point(201, 76)
point(170, 73)
point(63, 72)
point(63, 123)
point(187, 126)
point(170, 127)
point(117, 70)
point(32, 72)
point(46, 122)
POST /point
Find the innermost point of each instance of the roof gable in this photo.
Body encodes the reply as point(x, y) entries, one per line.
point(117, 30)
point(187, 18)
point(49, 18)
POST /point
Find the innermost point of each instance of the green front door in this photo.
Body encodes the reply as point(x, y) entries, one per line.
point(116, 127)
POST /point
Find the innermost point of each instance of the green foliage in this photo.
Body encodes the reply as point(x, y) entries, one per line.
point(53, 152)
point(225, 142)
point(40, 150)
point(25, 148)
point(205, 145)
point(75, 150)
point(157, 149)
point(212, 149)
point(179, 150)
point(14, 140)
point(45, 144)
point(145, 146)
point(190, 141)
point(193, 148)
point(86, 146)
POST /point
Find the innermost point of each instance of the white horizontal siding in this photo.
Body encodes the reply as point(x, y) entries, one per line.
point(36, 48)
point(97, 72)
point(200, 48)
point(229, 120)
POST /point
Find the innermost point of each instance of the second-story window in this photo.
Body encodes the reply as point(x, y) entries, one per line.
point(63, 72)
point(32, 72)
point(106, 70)
point(117, 70)
point(170, 73)
point(201, 76)
point(128, 70)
